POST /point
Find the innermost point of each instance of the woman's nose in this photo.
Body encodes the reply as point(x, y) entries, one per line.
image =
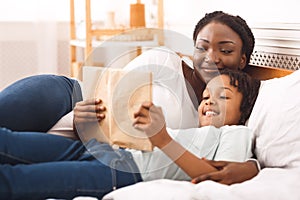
point(211, 57)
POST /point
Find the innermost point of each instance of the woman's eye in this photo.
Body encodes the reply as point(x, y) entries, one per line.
point(201, 49)
point(226, 51)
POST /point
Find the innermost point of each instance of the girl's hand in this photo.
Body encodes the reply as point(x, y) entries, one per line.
point(150, 119)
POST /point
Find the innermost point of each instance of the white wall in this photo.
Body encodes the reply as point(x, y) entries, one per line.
point(183, 15)
point(179, 15)
point(35, 20)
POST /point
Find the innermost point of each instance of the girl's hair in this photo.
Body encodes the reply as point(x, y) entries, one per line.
point(246, 85)
point(236, 23)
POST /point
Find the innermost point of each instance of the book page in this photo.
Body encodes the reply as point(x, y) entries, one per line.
point(122, 92)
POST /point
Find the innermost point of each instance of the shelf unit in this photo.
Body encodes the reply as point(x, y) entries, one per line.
point(89, 43)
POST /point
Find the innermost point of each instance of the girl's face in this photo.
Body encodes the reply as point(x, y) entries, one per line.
point(217, 46)
point(221, 103)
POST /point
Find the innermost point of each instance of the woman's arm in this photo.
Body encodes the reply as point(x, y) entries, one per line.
point(235, 145)
point(151, 120)
point(230, 172)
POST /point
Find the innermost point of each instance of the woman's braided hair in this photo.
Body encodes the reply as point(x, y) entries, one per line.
point(246, 85)
point(236, 23)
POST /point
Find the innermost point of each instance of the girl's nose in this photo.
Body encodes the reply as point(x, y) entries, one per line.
point(209, 101)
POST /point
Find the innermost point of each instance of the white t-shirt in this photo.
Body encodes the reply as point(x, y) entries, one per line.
point(231, 143)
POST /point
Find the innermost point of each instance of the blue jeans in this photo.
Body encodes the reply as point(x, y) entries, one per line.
point(37, 166)
point(36, 103)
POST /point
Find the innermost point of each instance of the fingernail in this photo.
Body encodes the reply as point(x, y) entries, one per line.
point(100, 115)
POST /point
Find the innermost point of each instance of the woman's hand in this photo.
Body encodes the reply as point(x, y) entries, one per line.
point(230, 172)
point(88, 112)
point(150, 119)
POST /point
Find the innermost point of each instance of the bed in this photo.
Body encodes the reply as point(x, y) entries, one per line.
point(275, 120)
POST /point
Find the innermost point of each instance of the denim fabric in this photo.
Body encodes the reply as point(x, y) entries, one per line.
point(36, 103)
point(39, 166)
point(116, 159)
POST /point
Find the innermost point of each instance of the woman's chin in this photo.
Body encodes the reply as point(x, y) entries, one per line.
point(207, 75)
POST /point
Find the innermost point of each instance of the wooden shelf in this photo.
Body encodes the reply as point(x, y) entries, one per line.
point(97, 43)
point(90, 42)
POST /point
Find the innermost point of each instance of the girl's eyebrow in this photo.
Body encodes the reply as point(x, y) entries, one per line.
point(226, 88)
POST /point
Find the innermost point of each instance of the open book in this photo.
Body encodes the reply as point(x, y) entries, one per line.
point(122, 93)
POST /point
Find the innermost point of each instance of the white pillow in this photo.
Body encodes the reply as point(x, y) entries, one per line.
point(275, 120)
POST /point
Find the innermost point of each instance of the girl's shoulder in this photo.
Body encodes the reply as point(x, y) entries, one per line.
point(234, 127)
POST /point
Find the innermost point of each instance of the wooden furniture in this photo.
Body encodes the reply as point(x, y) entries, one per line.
point(91, 33)
point(266, 72)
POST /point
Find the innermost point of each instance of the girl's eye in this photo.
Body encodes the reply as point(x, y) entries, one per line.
point(205, 98)
point(224, 97)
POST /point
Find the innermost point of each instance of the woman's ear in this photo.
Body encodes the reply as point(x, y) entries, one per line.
point(243, 62)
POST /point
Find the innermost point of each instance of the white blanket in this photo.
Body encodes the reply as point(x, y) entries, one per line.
point(270, 183)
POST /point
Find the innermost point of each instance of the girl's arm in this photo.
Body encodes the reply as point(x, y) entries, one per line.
point(188, 162)
point(151, 120)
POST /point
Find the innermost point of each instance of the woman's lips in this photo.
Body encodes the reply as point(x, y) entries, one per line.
point(209, 70)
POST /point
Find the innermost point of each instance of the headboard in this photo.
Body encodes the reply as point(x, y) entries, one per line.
point(266, 72)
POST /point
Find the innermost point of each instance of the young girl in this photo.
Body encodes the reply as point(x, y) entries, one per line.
point(227, 101)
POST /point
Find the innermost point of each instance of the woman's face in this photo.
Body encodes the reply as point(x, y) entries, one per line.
point(217, 46)
point(220, 104)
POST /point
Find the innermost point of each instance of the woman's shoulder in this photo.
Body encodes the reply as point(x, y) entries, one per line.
point(158, 57)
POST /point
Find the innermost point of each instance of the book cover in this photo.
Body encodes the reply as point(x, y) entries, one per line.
point(123, 92)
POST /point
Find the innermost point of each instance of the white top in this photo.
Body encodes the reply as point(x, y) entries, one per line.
point(169, 86)
point(231, 143)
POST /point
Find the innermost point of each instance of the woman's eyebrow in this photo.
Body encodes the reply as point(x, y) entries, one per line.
point(203, 40)
point(221, 42)
point(227, 41)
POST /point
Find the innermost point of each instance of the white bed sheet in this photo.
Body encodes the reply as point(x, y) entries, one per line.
point(270, 183)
